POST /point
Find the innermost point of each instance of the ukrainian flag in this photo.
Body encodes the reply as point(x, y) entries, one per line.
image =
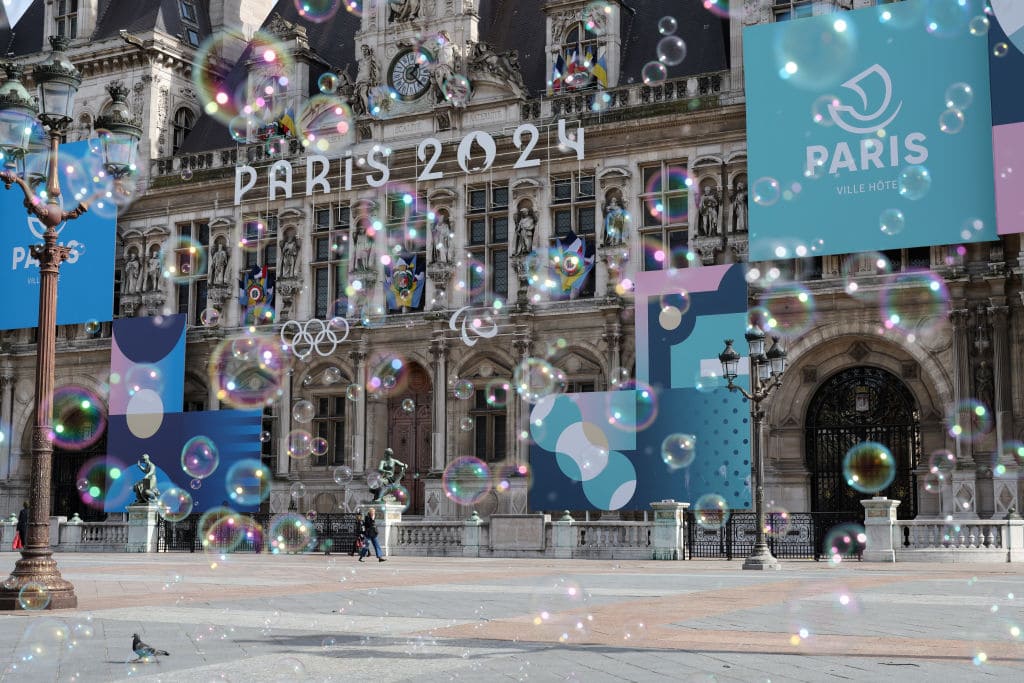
point(287, 122)
point(600, 71)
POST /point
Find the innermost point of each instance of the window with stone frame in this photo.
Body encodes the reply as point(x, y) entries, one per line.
point(330, 260)
point(259, 239)
point(329, 424)
point(190, 21)
point(664, 224)
point(406, 229)
point(193, 240)
point(184, 119)
point(574, 209)
point(65, 14)
point(487, 235)
point(490, 422)
point(786, 10)
point(584, 44)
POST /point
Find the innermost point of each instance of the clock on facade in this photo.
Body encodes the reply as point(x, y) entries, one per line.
point(409, 74)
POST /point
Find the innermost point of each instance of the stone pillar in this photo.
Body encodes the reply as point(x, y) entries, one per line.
point(563, 536)
point(471, 536)
point(439, 409)
point(55, 523)
point(142, 528)
point(70, 537)
point(8, 528)
point(389, 516)
point(879, 522)
point(961, 378)
point(613, 339)
point(284, 423)
point(669, 537)
point(358, 357)
point(6, 413)
point(519, 408)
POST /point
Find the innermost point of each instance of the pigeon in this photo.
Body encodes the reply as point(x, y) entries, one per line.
point(143, 651)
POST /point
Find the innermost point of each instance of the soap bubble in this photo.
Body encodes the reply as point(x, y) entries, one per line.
point(869, 467)
point(679, 450)
point(408, 405)
point(300, 443)
point(891, 222)
point(653, 73)
point(342, 475)
point(914, 182)
point(463, 389)
point(951, 121)
point(535, 378)
point(354, 392)
point(766, 191)
point(33, 596)
point(959, 96)
point(248, 482)
point(667, 26)
point(303, 411)
point(466, 424)
point(979, 25)
point(671, 50)
point(319, 446)
point(466, 480)
point(297, 490)
point(199, 457)
point(328, 83)
point(174, 504)
point(711, 511)
point(291, 533)
point(843, 541)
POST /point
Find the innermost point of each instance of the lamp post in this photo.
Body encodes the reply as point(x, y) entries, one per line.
point(766, 371)
point(58, 81)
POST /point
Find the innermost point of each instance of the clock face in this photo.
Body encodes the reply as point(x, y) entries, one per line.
point(409, 74)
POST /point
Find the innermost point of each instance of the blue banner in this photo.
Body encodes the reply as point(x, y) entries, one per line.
point(85, 291)
point(869, 130)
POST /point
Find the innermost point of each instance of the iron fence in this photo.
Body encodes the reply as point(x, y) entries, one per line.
point(335, 532)
point(794, 535)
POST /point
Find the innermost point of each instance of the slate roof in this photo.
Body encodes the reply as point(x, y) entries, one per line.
point(134, 16)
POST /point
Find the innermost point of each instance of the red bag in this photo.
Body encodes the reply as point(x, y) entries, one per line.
point(17, 545)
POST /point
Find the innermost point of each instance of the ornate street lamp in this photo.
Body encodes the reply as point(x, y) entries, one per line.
point(58, 82)
point(766, 370)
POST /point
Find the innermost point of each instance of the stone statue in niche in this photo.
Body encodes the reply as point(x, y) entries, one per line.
point(441, 238)
point(290, 256)
point(526, 226)
point(708, 220)
point(362, 248)
point(984, 386)
point(154, 270)
point(442, 72)
point(219, 264)
point(614, 221)
point(367, 78)
point(739, 207)
point(403, 10)
point(132, 272)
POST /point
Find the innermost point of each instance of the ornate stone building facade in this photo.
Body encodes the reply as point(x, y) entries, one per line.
point(660, 181)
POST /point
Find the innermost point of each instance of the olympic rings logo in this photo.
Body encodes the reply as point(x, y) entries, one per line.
point(313, 335)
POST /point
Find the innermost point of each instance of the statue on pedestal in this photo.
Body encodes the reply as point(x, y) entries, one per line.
point(154, 271)
point(219, 265)
point(146, 492)
point(614, 222)
point(391, 473)
point(526, 225)
point(289, 257)
point(132, 273)
point(441, 238)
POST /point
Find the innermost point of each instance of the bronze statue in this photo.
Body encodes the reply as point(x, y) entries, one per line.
point(391, 473)
point(145, 489)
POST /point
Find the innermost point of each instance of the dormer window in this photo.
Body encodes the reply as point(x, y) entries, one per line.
point(578, 41)
point(188, 10)
point(66, 16)
point(191, 21)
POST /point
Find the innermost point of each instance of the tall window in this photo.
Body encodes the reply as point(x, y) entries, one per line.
point(406, 226)
point(193, 240)
point(66, 16)
point(260, 240)
point(330, 260)
point(190, 21)
point(183, 120)
point(188, 11)
point(665, 224)
point(489, 424)
point(579, 41)
point(268, 437)
point(329, 424)
point(574, 209)
point(487, 219)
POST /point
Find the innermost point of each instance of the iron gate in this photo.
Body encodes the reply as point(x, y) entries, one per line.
point(335, 532)
point(856, 405)
point(793, 536)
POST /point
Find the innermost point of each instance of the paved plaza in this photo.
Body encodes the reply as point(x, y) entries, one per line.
point(251, 618)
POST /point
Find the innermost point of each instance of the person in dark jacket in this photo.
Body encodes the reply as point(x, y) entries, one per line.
point(23, 523)
point(370, 532)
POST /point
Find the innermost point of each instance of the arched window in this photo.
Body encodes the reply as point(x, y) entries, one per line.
point(183, 120)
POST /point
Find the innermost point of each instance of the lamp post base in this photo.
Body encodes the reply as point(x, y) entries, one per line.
point(36, 584)
point(761, 558)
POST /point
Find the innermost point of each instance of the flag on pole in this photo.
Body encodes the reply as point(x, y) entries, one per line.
point(557, 73)
point(600, 71)
point(287, 122)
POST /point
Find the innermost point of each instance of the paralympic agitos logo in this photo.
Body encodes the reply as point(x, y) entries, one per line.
point(878, 147)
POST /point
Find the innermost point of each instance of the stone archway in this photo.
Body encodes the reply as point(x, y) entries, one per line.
point(852, 406)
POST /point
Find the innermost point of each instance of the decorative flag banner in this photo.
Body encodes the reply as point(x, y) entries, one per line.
point(570, 265)
point(256, 296)
point(851, 144)
point(661, 436)
point(203, 459)
point(85, 289)
point(403, 283)
point(1006, 64)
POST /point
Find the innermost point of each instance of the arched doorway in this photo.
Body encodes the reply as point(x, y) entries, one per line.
point(409, 432)
point(855, 405)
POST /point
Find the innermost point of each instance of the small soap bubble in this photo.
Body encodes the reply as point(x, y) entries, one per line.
point(667, 26)
point(914, 182)
point(671, 50)
point(679, 450)
point(951, 121)
point(891, 222)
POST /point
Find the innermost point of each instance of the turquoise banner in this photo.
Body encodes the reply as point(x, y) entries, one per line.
point(869, 130)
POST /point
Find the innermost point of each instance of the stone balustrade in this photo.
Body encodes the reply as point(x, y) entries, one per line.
point(975, 540)
point(428, 538)
point(93, 537)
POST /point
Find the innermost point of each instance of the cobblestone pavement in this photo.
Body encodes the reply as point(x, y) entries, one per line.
point(249, 619)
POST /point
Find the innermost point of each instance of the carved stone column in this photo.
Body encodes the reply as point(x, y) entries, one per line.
point(358, 358)
point(613, 339)
point(6, 414)
point(522, 346)
point(998, 317)
point(960, 318)
point(439, 412)
point(440, 275)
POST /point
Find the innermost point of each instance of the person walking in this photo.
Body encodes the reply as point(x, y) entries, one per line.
point(370, 532)
point(21, 538)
